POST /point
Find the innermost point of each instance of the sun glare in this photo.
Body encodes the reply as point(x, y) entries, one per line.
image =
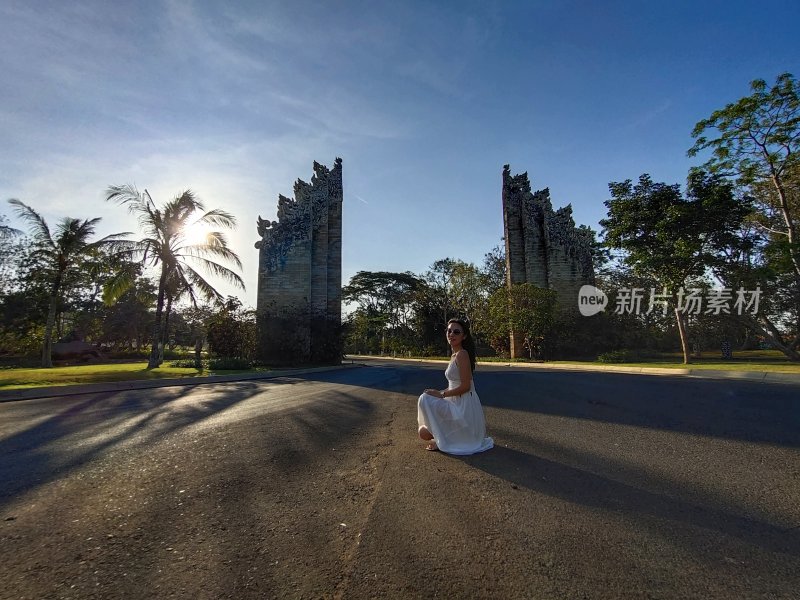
point(196, 234)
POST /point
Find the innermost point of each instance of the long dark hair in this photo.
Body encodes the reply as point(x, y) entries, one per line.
point(468, 344)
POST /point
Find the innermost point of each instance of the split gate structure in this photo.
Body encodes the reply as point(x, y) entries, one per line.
point(299, 302)
point(543, 247)
point(299, 299)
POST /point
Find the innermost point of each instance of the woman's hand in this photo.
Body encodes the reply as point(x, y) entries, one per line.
point(435, 393)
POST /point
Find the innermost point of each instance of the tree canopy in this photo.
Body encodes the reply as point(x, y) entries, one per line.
point(755, 140)
point(61, 253)
point(166, 246)
point(671, 238)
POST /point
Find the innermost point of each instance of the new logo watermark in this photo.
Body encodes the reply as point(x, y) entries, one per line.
point(591, 300)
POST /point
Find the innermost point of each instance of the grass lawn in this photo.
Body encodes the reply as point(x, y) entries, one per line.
point(11, 379)
point(747, 360)
point(719, 365)
point(750, 360)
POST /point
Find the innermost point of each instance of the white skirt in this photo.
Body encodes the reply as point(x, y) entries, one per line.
point(457, 423)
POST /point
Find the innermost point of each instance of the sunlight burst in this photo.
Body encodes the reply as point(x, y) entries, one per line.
point(196, 234)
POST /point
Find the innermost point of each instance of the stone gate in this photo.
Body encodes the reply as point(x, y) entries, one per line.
point(543, 247)
point(299, 301)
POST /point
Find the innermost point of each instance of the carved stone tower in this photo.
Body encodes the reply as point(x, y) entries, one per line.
point(299, 303)
point(543, 247)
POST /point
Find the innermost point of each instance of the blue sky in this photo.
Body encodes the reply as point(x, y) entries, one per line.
point(424, 101)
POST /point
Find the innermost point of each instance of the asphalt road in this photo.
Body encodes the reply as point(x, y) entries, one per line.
point(601, 485)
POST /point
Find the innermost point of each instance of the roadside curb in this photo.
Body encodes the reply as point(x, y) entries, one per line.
point(781, 378)
point(143, 384)
point(755, 376)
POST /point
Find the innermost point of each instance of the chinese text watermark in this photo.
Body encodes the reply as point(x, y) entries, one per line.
point(692, 301)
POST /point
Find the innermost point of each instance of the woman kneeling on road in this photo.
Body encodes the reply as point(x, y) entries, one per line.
point(452, 419)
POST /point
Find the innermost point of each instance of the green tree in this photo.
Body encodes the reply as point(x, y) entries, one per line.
point(22, 319)
point(175, 288)
point(232, 332)
point(528, 311)
point(439, 279)
point(127, 322)
point(198, 319)
point(671, 238)
point(386, 301)
point(166, 246)
point(468, 289)
point(757, 139)
point(363, 331)
point(428, 322)
point(455, 288)
point(62, 253)
point(752, 261)
point(755, 142)
point(24, 300)
point(384, 293)
point(494, 268)
point(620, 326)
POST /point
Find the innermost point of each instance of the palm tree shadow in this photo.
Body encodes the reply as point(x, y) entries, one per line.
point(60, 443)
point(577, 486)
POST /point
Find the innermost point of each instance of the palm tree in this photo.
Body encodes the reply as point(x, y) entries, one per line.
point(176, 288)
point(62, 254)
point(165, 244)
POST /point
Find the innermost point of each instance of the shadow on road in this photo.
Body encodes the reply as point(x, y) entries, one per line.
point(59, 443)
point(755, 412)
point(741, 410)
point(266, 478)
point(651, 509)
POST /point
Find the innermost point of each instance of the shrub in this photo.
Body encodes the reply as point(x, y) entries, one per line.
point(618, 356)
point(229, 364)
point(186, 363)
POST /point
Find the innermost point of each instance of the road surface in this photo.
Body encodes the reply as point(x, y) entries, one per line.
point(601, 485)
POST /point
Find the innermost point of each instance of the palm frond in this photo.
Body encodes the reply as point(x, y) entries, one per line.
point(165, 243)
point(183, 283)
point(127, 194)
point(210, 251)
point(41, 232)
point(219, 218)
point(208, 291)
point(117, 285)
point(116, 247)
point(138, 203)
point(220, 271)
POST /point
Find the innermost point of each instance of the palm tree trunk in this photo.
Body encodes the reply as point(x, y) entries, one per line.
point(155, 352)
point(47, 345)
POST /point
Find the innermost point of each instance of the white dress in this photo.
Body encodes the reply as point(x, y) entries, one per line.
point(456, 422)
